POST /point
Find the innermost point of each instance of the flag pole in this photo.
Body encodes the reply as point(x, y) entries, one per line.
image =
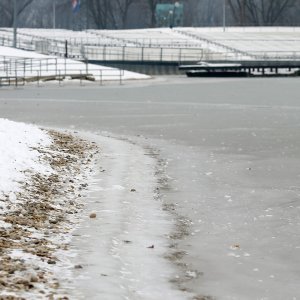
point(54, 14)
point(15, 24)
point(224, 15)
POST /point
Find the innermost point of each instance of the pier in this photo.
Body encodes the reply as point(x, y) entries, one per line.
point(242, 68)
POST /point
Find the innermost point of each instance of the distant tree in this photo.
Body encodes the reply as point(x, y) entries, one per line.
point(7, 10)
point(101, 13)
point(119, 14)
point(122, 7)
point(259, 12)
point(202, 13)
point(152, 7)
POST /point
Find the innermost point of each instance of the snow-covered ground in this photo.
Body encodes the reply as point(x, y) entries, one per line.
point(17, 141)
point(16, 62)
point(41, 175)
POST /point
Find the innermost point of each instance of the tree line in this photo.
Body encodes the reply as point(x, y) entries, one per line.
point(123, 14)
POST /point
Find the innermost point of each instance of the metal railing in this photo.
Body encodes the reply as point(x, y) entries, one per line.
point(122, 53)
point(12, 80)
point(143, 54)
point(276, 55)
point(257, 55)
point(18, 71)
point(145, 50)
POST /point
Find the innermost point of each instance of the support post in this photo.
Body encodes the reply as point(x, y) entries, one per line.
point(224, 15)
point(54, 14)
point(66, 49)
point(142, 59)
point(121, 74)
point(15, 24)
point(100, 77)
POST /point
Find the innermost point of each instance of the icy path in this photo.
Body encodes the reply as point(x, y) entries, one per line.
point(115, 249)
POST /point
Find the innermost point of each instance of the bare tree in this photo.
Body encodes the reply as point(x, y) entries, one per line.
point(101, 13)
point(259, 12)
point(123, 7)
point(202, 13)
point(271, 13)
point(117, 14)
point(7, 10)
point(152, 7)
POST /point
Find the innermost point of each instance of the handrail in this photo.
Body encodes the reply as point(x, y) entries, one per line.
point(34, 69)
point(144, 50)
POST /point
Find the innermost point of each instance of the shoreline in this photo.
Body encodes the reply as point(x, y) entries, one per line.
point(36, 225)
point(58, 244)
point(132, 230)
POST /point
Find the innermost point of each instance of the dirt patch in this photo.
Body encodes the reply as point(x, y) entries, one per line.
point(40, 219)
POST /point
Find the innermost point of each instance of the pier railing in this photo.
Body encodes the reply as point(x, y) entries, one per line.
point(140, 50)
point(18, 71)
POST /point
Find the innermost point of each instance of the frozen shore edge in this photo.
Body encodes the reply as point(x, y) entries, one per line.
point(125, 251)
point(119, 254)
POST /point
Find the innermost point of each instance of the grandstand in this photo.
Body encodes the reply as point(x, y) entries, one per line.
point(191, 44)
point(161, 46)
point(256, 42)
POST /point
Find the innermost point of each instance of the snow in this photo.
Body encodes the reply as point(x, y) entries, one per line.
point(17, 154)
point(129, 261)
point(158, 44)
point(16, 62)
point(262, 42)
point(164, 43)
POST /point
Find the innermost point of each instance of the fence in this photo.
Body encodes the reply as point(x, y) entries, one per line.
point(121, 53)
point(16, 71)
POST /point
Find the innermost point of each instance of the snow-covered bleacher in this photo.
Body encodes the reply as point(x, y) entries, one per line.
point(257, 42)
point(157, 37)
point(163, 44)
point(146, 44)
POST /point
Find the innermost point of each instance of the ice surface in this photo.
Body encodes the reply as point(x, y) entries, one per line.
point(113, 249)
point(244, 229)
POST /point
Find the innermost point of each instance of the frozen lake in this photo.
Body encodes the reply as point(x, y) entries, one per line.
point(231, 150)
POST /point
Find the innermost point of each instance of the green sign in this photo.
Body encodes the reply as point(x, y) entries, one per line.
point(169, 15)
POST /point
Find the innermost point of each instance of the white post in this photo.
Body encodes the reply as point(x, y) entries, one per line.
point(54, 14)
point(15, 24)
point(224, 15)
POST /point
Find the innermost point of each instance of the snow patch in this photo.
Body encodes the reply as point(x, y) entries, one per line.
point(18, 156)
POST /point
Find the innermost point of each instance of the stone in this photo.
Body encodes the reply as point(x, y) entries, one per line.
point(93, 215)
point(78, 267)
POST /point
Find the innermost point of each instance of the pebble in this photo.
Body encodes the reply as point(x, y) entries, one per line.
point(51, 262)
point(78, 267)
point(33, 278)
point(93, 215)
